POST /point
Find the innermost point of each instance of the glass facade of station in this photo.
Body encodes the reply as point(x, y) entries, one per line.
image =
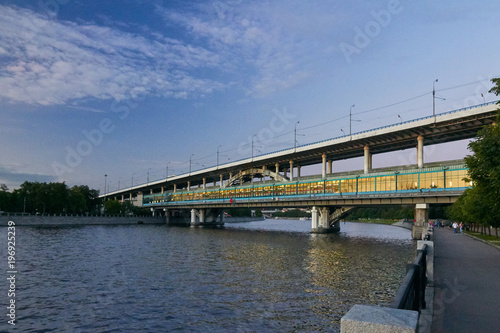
point(430, 179)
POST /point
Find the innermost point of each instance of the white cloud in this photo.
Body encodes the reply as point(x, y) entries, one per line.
point(51, 62)
point(273, 46)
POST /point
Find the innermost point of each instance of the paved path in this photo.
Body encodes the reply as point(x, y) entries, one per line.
point(467, 284)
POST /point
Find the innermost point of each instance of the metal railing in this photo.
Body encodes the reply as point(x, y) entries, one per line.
point(411, 294)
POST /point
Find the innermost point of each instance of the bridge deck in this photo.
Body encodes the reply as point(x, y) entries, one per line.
point(405, 186)
point(445, 127)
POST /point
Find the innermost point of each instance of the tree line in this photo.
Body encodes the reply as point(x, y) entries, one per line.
point(50, 198)
point(479, 206)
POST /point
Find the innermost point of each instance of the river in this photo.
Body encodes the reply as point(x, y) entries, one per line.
point(266, 276)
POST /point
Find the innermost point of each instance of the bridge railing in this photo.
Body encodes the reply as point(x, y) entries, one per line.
point(411, 294)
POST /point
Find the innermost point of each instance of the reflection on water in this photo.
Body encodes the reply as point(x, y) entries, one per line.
point(238, 279)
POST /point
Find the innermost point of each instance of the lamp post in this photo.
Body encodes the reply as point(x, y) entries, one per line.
point(400, 118)
point(190, 161)
point(166, 170)
point(434, 98)
point(105, 179)
point(132, 181)
point(350, 119)
point(218, 156)
point(147, 182)
point(295, 137)
point(252, 144)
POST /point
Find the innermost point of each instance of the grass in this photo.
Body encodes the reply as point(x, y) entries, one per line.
point(486, 237)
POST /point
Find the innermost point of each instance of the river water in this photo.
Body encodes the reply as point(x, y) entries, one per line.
point(266, 276)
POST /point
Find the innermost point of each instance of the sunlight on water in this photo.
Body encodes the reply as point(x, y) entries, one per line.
point(246, 277)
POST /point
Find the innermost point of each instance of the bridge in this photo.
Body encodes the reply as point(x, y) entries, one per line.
point(274, 180)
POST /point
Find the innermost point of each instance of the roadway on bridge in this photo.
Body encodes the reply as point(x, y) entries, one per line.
point(467, 284)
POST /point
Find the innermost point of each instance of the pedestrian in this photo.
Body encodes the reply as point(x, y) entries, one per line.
point(455, 226)
point(461, 225)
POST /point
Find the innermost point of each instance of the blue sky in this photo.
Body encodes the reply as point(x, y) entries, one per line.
point(127, 88)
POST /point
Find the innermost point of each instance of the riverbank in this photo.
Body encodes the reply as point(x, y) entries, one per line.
point(376, 221)
point(74, 220)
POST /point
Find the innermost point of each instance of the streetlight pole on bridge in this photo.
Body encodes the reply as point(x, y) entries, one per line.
point(190, 161)
point(105, 178)
point(350, 119)
point(434, 99)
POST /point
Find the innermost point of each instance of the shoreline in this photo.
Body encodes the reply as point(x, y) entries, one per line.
point(75, 220)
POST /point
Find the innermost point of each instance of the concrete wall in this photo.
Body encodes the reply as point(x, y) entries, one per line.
point(37, 220)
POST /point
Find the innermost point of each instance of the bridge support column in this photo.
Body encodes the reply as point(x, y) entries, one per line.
point(194, 222)
point(420, 152)
point(211, 216)
point(330, 167)
point(291, 170)
point(314, 219)
point(421, 218)
point(320, 223)
point(167, 216)
point(368, 160)
point(277, 165)
point(323, 168)
point(298, 171)
point(189, 184)
point(325, 222)
point(175, 188)
point(221, 180)
point(204, 183)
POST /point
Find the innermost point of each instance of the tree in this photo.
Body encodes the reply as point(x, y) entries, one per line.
point(77, 200)
point(52, 198)
point(112, 207)
point(480, 204)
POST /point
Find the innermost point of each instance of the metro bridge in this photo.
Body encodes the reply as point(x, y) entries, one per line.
point(274, 180)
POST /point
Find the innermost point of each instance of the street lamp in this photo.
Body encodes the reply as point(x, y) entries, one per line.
point(105, 178)
point(190, 160)
point(147, 182)
point(350, 119)
point(252, 144)
point(343, 133)
point(218, 156)
point(400, 118)
point(132, 182)
point(166, 171)
point(434, 99)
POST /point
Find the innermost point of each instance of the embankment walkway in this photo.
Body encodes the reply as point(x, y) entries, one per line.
point(467, 284)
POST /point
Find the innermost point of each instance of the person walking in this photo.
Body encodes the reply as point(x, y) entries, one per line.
point(455, 226)
point(461, 226)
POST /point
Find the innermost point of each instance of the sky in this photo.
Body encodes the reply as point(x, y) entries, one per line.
point(138, 89)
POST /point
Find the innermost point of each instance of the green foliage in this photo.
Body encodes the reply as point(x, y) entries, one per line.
point(239, 212)
point(481, 204)
point(292, 213)
point(382, 212)
point(112, 207)
point(51, 198)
